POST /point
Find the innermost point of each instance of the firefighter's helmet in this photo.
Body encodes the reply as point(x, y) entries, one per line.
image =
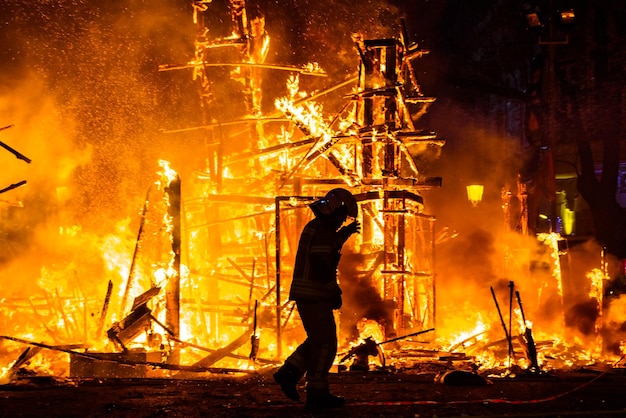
point(336, 199)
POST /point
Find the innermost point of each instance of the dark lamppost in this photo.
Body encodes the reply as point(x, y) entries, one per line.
point(551, 21)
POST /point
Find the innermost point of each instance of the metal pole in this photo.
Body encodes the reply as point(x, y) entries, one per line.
point(277, 238)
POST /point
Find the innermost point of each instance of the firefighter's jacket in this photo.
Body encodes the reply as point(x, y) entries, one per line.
point(317, 258)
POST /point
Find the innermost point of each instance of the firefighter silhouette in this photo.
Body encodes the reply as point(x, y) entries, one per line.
point(316, 292)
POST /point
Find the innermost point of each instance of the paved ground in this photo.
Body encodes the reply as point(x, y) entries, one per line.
point(586, 393)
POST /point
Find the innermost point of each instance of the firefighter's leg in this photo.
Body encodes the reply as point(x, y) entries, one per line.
point(292, 371)
point(319, 322)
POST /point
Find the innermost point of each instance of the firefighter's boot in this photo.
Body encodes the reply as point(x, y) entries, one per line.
point(317, 399)
point(287, 377)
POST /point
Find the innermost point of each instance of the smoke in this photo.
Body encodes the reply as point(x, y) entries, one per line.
point(80, 86)
point(320, 31)
point(40, 133)
point(361, 297)
point(614, 325)
point(483, 247)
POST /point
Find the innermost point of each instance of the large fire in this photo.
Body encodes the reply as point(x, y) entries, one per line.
point(196, 274)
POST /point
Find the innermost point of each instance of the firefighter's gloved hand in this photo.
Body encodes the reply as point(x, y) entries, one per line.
point(345, 231)
point(353, 227)
point(336, 302)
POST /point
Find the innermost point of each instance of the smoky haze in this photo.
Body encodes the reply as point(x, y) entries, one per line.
point(81, 87)
point(80, 83)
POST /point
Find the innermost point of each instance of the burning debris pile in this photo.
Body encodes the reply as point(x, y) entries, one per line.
point(203, 286)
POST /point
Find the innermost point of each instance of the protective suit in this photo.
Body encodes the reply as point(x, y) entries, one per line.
point(316, 292)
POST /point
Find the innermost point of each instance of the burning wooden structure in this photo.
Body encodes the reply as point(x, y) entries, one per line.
point(250, 233)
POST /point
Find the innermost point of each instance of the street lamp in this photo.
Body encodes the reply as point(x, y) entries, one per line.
point(475, 193)
point(567, 18)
